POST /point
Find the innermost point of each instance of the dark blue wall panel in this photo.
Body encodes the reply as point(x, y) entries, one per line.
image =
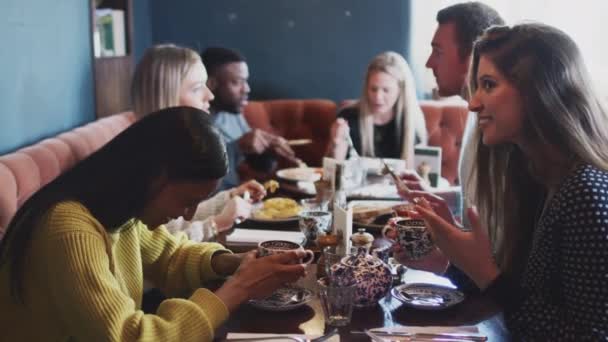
point(295, 48)
point(45, 62)
point(142, 27)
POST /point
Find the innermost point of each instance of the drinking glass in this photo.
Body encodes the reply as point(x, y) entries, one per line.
point(314, 204)
point(331, 256)
point(337, 302)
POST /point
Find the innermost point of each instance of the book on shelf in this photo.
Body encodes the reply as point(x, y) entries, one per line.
point(110, 25)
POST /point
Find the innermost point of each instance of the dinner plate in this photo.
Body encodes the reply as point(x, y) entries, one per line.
point(300, 174)
point(284, 299)
point(427, 296)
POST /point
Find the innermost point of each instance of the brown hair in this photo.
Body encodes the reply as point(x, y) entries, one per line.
point(561, 111)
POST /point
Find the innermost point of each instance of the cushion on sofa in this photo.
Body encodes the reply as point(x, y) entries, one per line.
point(8, 197)
point(45, 159)
point(296, 119)
point(65, 158)
point(23, 172)
point(26, 173)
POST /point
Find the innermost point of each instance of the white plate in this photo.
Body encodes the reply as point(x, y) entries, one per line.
point(300, 174)
point(428, 296)
point(282, 299)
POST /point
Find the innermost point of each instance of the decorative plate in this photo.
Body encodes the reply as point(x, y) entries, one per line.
point(427, 296)
point(284, 299)
point(301, 174)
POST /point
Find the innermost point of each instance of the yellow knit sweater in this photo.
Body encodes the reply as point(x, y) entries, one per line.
point(83, 284)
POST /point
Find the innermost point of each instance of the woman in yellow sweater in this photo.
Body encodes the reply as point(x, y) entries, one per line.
point(74, 258)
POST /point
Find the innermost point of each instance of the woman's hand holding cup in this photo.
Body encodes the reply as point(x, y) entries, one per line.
point(259, 277)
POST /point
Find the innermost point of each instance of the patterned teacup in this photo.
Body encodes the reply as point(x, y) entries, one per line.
point(410, 236)
point(270, 247)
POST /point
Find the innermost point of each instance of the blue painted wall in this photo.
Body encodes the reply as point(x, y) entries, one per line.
point(45, 62)
point(142, 27)
point(295, 48)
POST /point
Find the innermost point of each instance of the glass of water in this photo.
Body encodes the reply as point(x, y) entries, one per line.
point(337, 302)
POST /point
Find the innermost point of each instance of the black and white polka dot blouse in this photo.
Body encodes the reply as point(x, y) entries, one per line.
point(563, 294)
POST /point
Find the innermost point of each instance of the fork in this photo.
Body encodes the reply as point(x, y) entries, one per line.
point(398, 181)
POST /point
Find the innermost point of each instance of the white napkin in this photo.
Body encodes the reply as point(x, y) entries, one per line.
point(246, 237)
point(233, 336)
point(463, 329)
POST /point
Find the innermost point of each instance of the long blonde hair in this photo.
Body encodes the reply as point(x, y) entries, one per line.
point(561, 111)
point(409, 118)
point(158, 77)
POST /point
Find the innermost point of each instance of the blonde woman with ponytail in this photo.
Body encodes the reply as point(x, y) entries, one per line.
point(387, 120)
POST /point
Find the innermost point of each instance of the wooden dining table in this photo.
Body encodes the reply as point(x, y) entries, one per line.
point(475, 310)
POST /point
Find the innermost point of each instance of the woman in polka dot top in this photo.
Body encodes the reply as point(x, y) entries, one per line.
point(542, 177)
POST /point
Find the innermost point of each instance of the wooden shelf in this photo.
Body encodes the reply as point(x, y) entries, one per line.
point(113, 74)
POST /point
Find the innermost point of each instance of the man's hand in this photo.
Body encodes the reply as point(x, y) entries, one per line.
point(255, 141)
point(258, 141)
point(280, 147)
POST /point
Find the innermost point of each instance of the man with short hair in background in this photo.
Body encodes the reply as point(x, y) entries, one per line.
point(252, 151)
point(458, 27)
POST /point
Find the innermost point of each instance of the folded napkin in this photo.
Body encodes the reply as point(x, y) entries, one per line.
point(260, 337)
point(390, 333)
point(462, 329)
point(246, 237)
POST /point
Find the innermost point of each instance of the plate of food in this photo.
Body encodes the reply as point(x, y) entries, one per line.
point(301, 174)
point(374, 214)
point(427, 296)
point(277, 209)
point(284, 299)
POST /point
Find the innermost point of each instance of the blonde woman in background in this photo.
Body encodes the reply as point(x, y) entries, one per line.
point(387, 121)
point(170, 75)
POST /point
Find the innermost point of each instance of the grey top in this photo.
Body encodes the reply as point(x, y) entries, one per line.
point(231, 127)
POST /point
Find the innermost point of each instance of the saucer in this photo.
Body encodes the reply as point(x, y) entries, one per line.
point(284, 299)
point(427, 296)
